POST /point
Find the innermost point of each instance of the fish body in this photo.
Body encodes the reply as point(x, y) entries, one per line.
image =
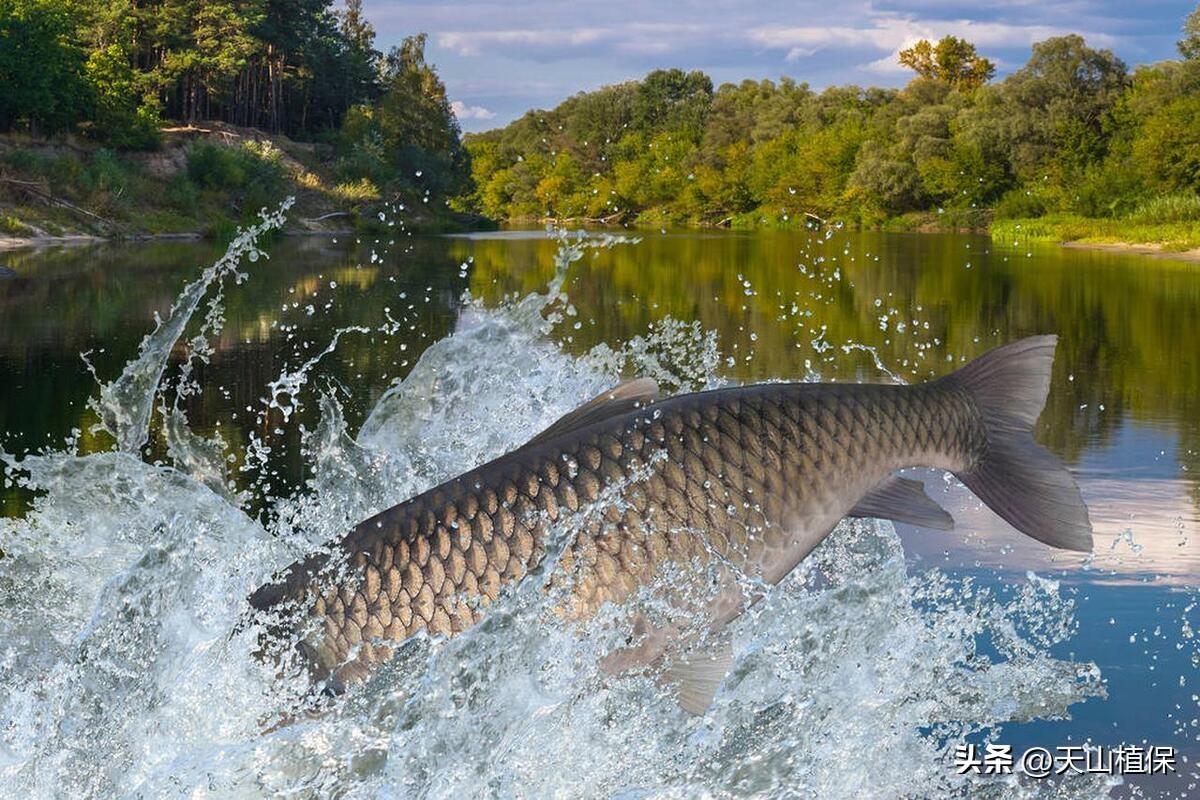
point(751, 477)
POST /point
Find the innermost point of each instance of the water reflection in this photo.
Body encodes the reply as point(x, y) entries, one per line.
point(1124, 408)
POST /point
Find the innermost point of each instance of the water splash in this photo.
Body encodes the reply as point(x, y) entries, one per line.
point(122, 586)
point(125, 404)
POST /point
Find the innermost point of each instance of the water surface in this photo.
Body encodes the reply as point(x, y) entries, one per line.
point(833, 305)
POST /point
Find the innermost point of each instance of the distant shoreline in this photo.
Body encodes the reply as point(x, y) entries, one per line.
point(11, 243)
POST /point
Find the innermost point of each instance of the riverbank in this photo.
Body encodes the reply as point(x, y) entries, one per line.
point(1178, 241)
point(204, 181)
point(1168, 239)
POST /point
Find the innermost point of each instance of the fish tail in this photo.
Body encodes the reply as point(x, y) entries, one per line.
point(1015, 476)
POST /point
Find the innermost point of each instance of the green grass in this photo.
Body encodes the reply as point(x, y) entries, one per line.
point(1183, 207)
point(360, 191)
point(1177, 235)
point(162, 220)
point(11, 225)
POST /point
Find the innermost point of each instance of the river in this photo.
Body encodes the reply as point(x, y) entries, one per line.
point(123, 572)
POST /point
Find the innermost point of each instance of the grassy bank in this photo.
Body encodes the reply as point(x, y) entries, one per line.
point(1165, 236)
point(203, 181)
point(1167, 224)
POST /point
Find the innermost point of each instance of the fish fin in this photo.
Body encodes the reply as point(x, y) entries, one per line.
point(903, 500)
point(1016, 477)
point(625, 396)
point(697, 676)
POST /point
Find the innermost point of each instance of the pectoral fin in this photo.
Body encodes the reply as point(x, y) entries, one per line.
point(698, 675)
point(902, 500)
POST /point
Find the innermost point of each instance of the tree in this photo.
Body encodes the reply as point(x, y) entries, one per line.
point(412, 124)
point(1062, 98)
point(952, 60)
point(1167, 147)
point(1189, 45)
point(42, 82)
point(360, 59)
point(205, 45)
point(124, 117)
point(670, 99)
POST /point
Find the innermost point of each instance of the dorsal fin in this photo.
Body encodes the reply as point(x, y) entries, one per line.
point(902, 500)
point(625, 396)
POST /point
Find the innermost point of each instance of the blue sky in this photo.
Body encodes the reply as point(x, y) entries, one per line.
point(500, 59)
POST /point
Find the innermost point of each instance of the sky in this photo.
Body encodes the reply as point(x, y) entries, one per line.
point(499, 59)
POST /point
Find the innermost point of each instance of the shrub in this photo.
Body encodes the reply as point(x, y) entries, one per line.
point(11, 225)
point(181, 194)
point(27, 161)
point(1021, 203)
point(65, 173)
point(107, 172)
point(212, 166)
point(221, 230)
point(124, 117)
point(253, 171)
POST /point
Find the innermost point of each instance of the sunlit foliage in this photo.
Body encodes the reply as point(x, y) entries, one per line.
point(1070, 132)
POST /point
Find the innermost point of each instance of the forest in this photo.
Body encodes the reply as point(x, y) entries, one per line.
point(1074, 139)
point(122, 79)
point(1073, 144)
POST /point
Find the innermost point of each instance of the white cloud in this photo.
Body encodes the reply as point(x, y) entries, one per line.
point(895, 34)
point(464, 112)
point(509, 57)
point(473, 43)
point(633, 39)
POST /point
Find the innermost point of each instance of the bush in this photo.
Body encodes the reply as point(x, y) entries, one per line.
point(26, 161)
point(253, 171)
point(211, 166)
point(1021, 203)
point(107, 181)
point(181, 194)
point(1167, 147)
point(124, 118)
point(262, 164)
point(65, 174)
point(107, 172)
point(221, 230)
point(1106, 190)
point(11, 225)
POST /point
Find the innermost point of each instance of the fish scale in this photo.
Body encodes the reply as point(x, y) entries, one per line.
point(754, 476)
point(727, 466)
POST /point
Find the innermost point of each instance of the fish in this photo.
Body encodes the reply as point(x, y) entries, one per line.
point(723, 485)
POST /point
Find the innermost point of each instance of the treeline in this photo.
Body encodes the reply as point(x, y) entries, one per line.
point(118, 71)
point(1073, 131)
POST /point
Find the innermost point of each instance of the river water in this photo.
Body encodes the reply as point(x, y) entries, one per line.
point(294, 392)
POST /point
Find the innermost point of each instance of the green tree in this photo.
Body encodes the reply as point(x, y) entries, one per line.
point(1166, 150)
point(206, 45)
point(952, 60)
point(672, 100)
point(125, 116)
point(1189, 45)
point(1054, 110)
point(42, 83)
point(411, 124)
